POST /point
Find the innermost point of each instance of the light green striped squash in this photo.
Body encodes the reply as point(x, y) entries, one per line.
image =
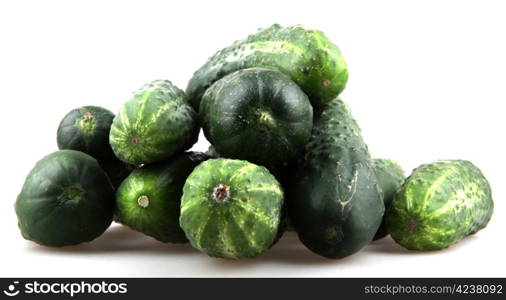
point(231, 208)
point(154, 124)
point(307, 56)
point(439, 204)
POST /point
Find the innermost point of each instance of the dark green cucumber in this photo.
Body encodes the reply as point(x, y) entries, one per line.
point(258, 115)
point(66, 200)
point(439, 204)
point(231, 208)
point(335, 203)
point(308, 57)
point(154, 124)
point(116, 170)
point(390, 176)
point(149, 199)
point(86, 129)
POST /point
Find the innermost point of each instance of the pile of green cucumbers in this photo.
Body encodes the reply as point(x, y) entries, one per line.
point(286, 154)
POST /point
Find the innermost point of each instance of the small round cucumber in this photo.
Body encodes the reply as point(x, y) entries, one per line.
point(231, 208)
point(66, 199)
point(86, 129)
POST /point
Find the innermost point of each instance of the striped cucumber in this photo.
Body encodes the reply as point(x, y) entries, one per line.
point(439, 204)
point(149, 199)
point(231, 208)
point(308, 57)
point(154, 124)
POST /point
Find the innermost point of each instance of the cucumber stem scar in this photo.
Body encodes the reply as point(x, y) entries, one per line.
point(87, 116)
point(221, 193)
point(143, 201)
point(72, 193)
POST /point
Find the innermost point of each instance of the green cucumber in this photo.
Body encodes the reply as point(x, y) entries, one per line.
point(307, 56)
point(149, 199)
point(390, 176)
point(231, 208)
point(334, 202)
point(211, 151)
point(258, 115)
point(439, 204)
point(154, 124)
point(66, 199)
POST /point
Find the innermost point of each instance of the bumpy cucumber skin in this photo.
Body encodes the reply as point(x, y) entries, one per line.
point(162, 183)
point(154, 124)
point(48, 209)
point(86, 129)
point(390, 176)
point(244, 226)
point(258, 115)
point(308, 57)
point(335, 203)
point(439, 204)
point(284, 223)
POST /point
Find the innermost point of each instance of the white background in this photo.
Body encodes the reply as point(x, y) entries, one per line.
point(427, 82)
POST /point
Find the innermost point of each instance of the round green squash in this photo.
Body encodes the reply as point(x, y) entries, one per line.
point(258, 115)
point(86, 129)
point(154, 124)
point(66, 200)
point(149, 199)
point(231, 208)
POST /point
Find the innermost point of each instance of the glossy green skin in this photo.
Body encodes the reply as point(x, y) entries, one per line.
point(258, 115)
point(308, 57)
point(161, 184)
point(86, 129)
point(66, 200)
point(439, 204)
point(154, 124)
point(244, 225)
point(390, 176)
point(335, 203)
